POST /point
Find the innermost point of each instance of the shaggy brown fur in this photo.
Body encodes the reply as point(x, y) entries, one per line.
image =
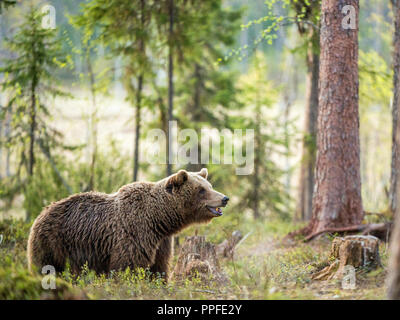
point(130, 228)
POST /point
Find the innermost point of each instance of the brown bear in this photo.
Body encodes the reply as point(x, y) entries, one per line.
point(130, 228)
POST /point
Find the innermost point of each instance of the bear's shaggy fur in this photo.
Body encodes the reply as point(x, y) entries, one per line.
point(130, 228)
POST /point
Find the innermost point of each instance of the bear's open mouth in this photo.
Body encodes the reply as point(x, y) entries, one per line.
point(217, 211)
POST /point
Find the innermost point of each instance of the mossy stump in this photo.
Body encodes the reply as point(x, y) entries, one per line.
point(355, 251)
point(197, 258)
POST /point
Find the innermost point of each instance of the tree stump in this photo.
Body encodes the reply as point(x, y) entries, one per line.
point(226, 249)
point(355, 251)
point(198, 258)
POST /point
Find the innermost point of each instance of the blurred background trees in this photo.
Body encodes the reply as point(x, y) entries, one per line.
point(124, 59)
point(29, 83)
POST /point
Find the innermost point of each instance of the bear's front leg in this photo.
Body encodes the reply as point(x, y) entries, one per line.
point(163, 255)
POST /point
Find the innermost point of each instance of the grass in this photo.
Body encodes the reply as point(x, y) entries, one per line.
point(264, 267)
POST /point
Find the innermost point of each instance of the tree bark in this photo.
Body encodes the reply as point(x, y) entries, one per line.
point(93, 123)
point(394, 258)
point(32, 129)
point(395, 166)
point(196, 114)
point(198, 257)
point(337, 196)
point(257, 163)
point(394, 261)
point(137, 127)
point(138, 104)
point(170, 86)
point(306, 184)
point(355, 251)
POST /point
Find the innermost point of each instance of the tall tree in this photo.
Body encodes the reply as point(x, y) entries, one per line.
point(124, 26)
point(394, 261)
point(337, 200)
point(98, 81)
point(395, 166)
point(206, 90)
point(307, 15)
point(142, 52)
point(29, 79)
point(170, 84)
point(262, 191)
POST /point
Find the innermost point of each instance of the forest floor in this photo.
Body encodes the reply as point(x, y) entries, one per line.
point(263, 267)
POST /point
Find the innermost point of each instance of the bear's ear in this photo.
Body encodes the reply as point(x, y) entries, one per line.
point(203, 173)
point(176, 180)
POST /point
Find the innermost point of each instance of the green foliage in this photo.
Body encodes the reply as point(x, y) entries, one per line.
point(29, 81)
point(262, 268)
point(206, 92)
point(4, 4)
point(263, 190)
point(304, 14)
point(375, 114)
point(45, 187)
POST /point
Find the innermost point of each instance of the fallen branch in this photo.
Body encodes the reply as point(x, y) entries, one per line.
point(355, 228)
point(379, 230)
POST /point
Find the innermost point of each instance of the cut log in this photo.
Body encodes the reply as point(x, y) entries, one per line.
point(226, 249)
point(355, 251)
point(198, 258)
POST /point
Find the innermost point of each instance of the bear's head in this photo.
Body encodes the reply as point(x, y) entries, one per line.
point(200, 202)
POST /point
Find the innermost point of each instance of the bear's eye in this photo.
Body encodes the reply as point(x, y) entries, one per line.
point(202, 191)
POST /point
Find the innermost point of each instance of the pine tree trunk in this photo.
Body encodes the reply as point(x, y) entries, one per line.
point(32, 131)
point(137, 127)
point(306, 184)
point(32, 134)
point(1, 138)
point(170, 86)
point(195, 114)
point(93, 124)
point(337, 197)
point(138, 102)
point(395, 166)
point(255, 201)
point(394, 258)
point(394, 262)
point(7, 133)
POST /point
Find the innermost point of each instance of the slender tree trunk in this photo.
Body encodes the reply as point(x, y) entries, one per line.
point(257, 163)
point(394, 258)
point(395, 166)
point(337, 197)
point(32, 130)
point(1, 137)
point(139, 101)
point(170, 87)
point(195, 113)
point(137, 127)
point(7, 134)
point(394, 261)
point(306, 183)
point(93, 124)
